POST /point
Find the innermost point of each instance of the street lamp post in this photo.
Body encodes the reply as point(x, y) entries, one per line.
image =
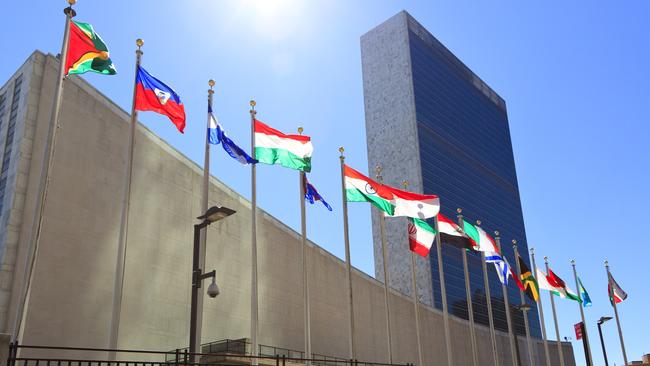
point(523, 308)
point(600, 333)
point(213, 214)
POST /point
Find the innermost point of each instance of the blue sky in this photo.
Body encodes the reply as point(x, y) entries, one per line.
point(575, 77)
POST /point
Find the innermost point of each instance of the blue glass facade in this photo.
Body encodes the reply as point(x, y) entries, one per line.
point(467, 159)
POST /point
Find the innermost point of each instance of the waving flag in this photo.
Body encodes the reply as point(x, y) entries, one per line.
point(451, 233)
point(87, 52)
point(481, 241)
point(275, 147)
point(312, 195)
point(616, 293)
point(561, 288)
point(529, 282)
point(216, 136)
point(421, 236)
point(586, 300)
point(154, 95)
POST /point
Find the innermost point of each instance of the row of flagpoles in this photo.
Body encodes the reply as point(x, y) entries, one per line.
point(84, 51)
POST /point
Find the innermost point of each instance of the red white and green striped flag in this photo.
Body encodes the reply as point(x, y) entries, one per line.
point(275, 147)
point(421, 236)
point(616, 293)
point(87, 52)
point(481, 241)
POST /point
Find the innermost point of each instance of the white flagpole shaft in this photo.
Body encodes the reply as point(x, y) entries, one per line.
point(506, 301)
point(585, 337)
point(486, 284)
point(443, 292)
point(468, 294)
point(205, 193)
point(348, 265)
point(416, 306)
point(48, 153)
point(557, 328)
point(124, 221)
point(254, 305)
point(618, 321)
point(523, 301)
point(541, 312)
point(384, 255)
point(305, 268)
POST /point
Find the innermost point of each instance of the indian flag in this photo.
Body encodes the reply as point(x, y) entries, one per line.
point(359, 188)
point(421, 236)
point(274, 147)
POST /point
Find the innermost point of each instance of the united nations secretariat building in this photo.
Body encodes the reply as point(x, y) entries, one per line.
point(71, 286)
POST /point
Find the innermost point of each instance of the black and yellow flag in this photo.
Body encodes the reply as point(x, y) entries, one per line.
point(530, 283)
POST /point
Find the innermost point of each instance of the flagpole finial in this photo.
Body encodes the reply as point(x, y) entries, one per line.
point(69, 11)
point(545, 259)
point(532, 250)
point(573, 262)
point(252, 103)
point(405, 183)
point(139, 42)
point(300, 129)
point(514, 243)
point(496, 232)
point(478, 222)
point(459, 210)
point(341, 150)
point(211, 83)
point(378, 170)
point(606, 263)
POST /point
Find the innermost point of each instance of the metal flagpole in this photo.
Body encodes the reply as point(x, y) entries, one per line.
point(486, 284)
point(48, 153)
point(506, 302)
point(124, 221)
point(348, 265)
point(416, 306)
point(443, 292)
point(382, 228)
point(204, 207)
point(585, 337)
point(468, 293)
point(618, 321)
point(541, 312)
point(254, 307)
point(523, 301)
point(557, 329)
point(305, 268)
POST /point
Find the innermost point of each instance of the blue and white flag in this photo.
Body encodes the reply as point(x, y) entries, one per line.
point(501, 265)
point(312, 195)
point(216, 136)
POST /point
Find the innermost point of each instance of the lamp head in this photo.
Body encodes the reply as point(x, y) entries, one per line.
point(216, 213)
point(213, 289)
point(604, 319)
point(523, 307)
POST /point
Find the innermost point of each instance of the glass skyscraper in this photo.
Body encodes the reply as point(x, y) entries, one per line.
point(430, 120)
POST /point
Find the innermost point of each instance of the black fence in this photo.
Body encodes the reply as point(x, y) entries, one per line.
point(221, 353)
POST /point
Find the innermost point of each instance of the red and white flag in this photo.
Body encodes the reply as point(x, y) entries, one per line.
point(616, 293)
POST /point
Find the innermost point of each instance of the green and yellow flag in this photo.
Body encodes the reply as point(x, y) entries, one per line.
point(530, 283)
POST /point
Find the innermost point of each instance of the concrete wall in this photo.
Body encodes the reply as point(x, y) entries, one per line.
point(70, 297)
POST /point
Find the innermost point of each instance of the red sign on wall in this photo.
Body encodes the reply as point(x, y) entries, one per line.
point(578, 328)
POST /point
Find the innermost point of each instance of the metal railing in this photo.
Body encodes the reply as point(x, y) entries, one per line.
point(226, 353)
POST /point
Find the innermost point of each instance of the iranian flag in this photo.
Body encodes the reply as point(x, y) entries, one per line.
point(421, 236)
point(616, 293)
point(359, 188)
point(275, 147)
point(87, 52)
point(481, 241)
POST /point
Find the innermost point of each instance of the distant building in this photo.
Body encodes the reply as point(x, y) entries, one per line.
point(432, 121)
